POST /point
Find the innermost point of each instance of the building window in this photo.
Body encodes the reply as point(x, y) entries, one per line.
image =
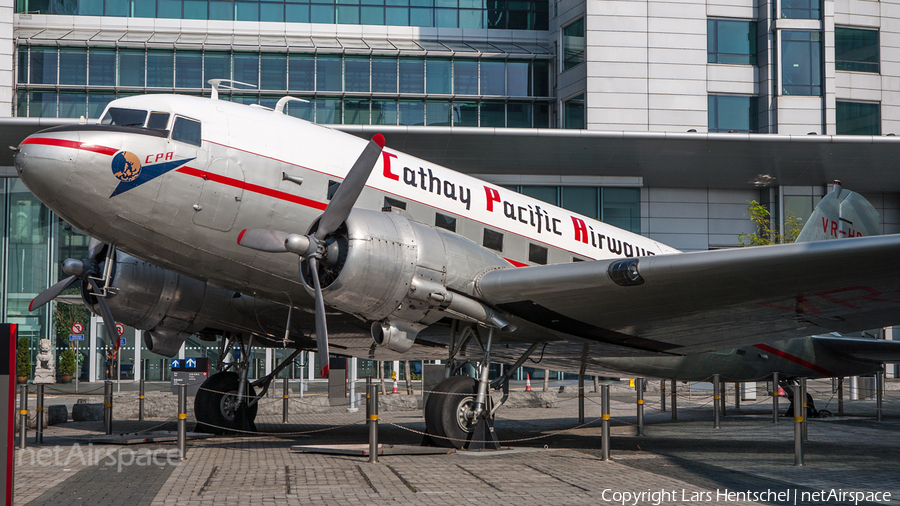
point(801, 9)
point(537, 254)
point(856, 49)
point(573, 44)
point(858, 118)
point(620, 207)
point(573, 115)
point(445, 222)
point(493, 240)
point(801, 62)
point(731, 41)
point(729, 113)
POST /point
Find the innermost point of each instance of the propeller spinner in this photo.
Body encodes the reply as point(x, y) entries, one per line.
point(312, 247)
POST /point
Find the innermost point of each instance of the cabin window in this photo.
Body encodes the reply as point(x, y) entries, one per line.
point(537, 254)
point(493, 240)
point(333, 188)
point(389, 203)
point(186, 130)
point(576, 259)
point(445, 222)
point(158, 120)
point(124, 117)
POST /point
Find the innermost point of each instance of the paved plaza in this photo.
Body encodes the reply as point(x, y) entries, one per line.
point(550, 460)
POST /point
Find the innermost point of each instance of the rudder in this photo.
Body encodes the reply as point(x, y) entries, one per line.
point(841, 214)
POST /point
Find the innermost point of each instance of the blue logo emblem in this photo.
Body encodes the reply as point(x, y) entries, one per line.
point(127, 168)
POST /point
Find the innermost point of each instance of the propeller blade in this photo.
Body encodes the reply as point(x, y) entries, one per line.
point(260, 239)
point(108, 320)
point(345, 198)
point(51, 293)
point(321, 326)
point(94, 248)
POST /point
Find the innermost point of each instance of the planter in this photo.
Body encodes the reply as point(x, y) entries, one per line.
point(22, 379)
point(65, 378)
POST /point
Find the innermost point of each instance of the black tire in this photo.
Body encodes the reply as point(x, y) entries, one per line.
point(210, 404)
point(441, 410)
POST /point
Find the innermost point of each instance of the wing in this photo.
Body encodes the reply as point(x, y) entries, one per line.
point(874, 350)
point(697, 302)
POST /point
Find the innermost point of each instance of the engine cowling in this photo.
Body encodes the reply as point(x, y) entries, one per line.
point(404, 275)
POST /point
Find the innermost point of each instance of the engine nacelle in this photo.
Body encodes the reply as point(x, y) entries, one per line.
point(404, 275)
point(165, 342)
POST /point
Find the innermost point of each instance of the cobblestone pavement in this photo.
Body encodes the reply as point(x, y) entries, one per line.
point(683, 462)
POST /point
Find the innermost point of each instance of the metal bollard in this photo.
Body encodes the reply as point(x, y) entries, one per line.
point(737, 396)
point(674, 395)
point(639, 384)
point(716, 424)
point(805, 407)
point(284, 411)
point(107, 402)
point(879, 393)
point(581, 398)
point(182, 421)
point(23, 415)
point(141, 401)
point(372, 412)
point(840, 394)
point(775, 397)
point(662, 395)
point(39, 407)
point(723, 390)
point(798, 427)
point(604, 406)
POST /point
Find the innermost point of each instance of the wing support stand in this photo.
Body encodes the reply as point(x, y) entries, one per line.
point(483, 436)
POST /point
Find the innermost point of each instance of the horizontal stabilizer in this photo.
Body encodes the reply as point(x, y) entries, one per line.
point(875, 350)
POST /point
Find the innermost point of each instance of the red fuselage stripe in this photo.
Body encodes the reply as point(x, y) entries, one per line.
point(262, 190)
point(792, 358)
point(84, 146)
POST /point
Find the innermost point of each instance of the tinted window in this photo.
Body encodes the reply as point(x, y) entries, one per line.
point(858, 118)
point(389, 203)
point(537, 254)
point(124, 117)
point(801, 63)
point(573, 44)
point(158, 120)
point(186, 130)
point(731, 41)
point(332, 188)
point(493, 240)
point(854, 49)
point(731, 113)
point(445, 222)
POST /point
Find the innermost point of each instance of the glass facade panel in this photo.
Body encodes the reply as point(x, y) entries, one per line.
point(168, 9)
point(731, 113)
point(518, 78)
point(72, 105)
point(384, 75)
point(328, 73)
point(356, 112)
point(321, 14)
point(296, 13)
point(271, 11)
point(518, 114)
point(223, 11)
point(412, 75)
point(160, 68)
point(541, 81)
point(801, 9)
point(437, 75)
point(858, 118)
point(144, 9)
point(541, 115)
point(574, 112)
point(195, 9)
point(301, 72)
point(384, 112)
point(22, 65)
point(356, 73)
point(465, 114)
point(802, 63)
point(217, 65)
point(549, 194)
point(97, 102)
point(855, 49)
point(102, 70)
point(573, 44)
point(622, 208)
point(465, 77)
point(273, 71)
point(73, 66)
point(42, 104)
point(90, 7)
point(131, 67)
point(328, 111)
point(246, 68)
point(188, 69)
point(412, 112)
point(302, 110)
point(583, 200)
point(246, 11)
point(731, 41)
point(493, 114)
point(437, 113)
point(43, 65)
point(493, 77)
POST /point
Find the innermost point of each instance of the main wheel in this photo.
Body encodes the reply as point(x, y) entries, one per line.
point(216, 403)
point(446, 408)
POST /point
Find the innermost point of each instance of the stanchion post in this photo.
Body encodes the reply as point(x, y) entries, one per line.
point(372, 410)
point(286, 396)
point(23, 415)
point(581, 398)
point(662, 395)
point(840, 394)
point(879, 393)
point(604, 405)
point(798, 427)
point(774, 397)
point(805, 409)
point(141, 400)
point(39, 407)
point(737, 395)
point(639, 388)
point(674, 395)
point(723, 389)
point(182, 421)
point(107, 405)
point(716, 424)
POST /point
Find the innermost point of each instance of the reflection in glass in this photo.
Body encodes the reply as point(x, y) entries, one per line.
point(328, 111)
point(493, 114)
point(384, 112)
point(188, 69)
point(518, 114)
point(622, 208)
point(73, 65)
point(437, 74)
point(217, 65)
point(518, 78)
point(493, 77)
point(412, 75)
point(356, 73)
point(246, 68)
point(437, 113)
point(858, 118)
point(384, 75)
point(573, 44)
point(731, 41)
point(273, 71)
point(43, 65)
point(732, 113)
point(102, 71)
point(412, 112)
point(131, 67)
point(301, 72)
point(160, 67)
point(328, 73)
point(465, 114)
point(356, 112)
point(72, 105)
point(855, 49)
point(801, 63)
point(465, 77)
point(574, 112)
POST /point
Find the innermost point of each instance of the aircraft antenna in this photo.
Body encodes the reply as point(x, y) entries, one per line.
point(216, 83)
point(279, 107)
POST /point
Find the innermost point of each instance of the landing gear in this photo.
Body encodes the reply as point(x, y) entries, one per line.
point(448, 411)
point(217, 404)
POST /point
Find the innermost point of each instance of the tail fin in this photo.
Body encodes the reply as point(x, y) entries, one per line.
point(842, 213)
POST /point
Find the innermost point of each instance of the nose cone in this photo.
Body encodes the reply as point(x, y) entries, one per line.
point(45, 165)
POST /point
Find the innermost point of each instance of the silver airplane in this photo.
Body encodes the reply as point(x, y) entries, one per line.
point(201, 208)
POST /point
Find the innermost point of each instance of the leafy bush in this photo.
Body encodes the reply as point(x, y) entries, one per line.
point(67, 362)
point(23, 358)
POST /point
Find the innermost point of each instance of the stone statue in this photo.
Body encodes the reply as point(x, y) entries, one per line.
point(45, 370)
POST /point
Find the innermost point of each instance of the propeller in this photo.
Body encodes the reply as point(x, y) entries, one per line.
point(86, 270)
point(312, 247)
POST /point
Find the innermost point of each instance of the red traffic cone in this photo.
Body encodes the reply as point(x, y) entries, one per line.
point(527, 382)
point(780, 392)
point(395, 391)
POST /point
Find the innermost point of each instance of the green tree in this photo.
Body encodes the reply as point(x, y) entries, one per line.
point(765, 234)
point(67, 362)
point(65, 315)
point(23, 358)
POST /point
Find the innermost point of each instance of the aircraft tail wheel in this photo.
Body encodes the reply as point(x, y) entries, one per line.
point(216, 403)
point(447, 408)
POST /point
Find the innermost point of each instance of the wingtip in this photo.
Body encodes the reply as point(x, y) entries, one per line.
point(379, 139)
point(30, 306)
point(241, 235)
point(324, 372)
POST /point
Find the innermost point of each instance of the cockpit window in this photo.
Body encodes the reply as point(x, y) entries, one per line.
point(124, 117)
point(186, 130)
point(158, 120)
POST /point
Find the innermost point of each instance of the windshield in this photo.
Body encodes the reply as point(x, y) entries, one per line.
point(124, 117)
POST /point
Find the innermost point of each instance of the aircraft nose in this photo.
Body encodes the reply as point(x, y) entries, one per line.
point(43, 167)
